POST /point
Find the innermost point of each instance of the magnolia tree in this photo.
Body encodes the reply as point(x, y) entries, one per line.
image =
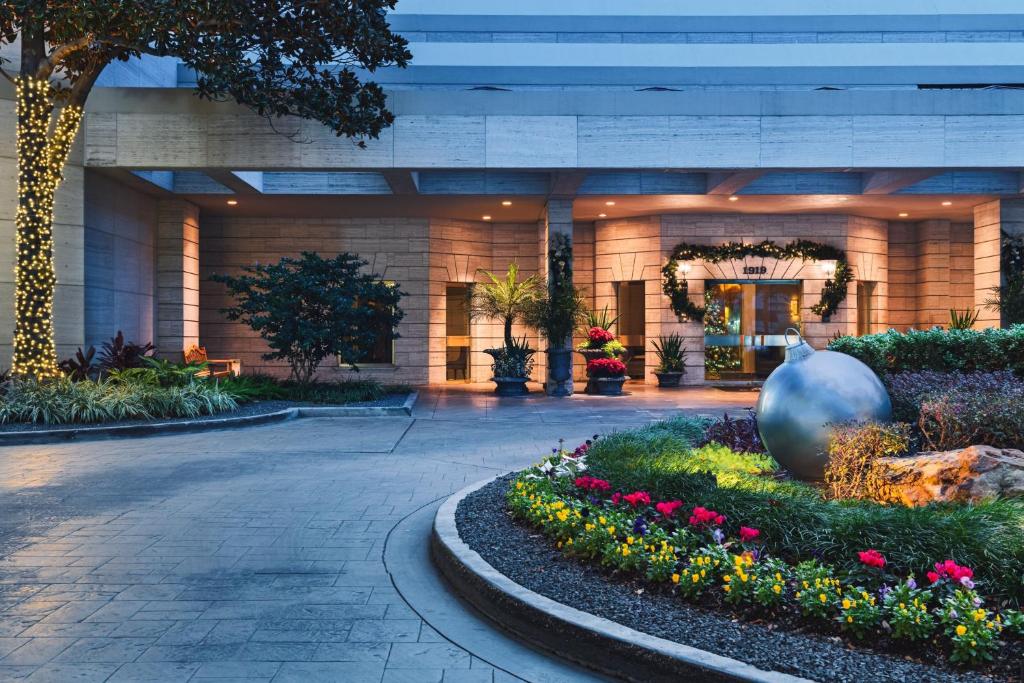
point(279, 58)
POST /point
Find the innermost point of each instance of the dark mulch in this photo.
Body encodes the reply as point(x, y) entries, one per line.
point(244, 410)
point(530, 560)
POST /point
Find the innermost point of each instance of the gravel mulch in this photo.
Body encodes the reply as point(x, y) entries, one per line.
point(244, 410)
point(530, 560)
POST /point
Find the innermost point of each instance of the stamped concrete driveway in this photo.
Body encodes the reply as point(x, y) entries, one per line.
point(258, 554)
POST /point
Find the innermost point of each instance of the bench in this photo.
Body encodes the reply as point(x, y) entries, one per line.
point(214, 368)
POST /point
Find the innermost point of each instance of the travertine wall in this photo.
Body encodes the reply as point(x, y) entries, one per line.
point(422, 255)
point(990, 221)
point(120, 255)
point(931, 271)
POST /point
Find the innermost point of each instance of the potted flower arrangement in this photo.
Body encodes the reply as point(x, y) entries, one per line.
point(600, 342)
point(607, 375)
point(507, 299)
point(671, 360)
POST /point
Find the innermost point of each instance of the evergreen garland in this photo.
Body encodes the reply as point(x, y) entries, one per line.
point(832, 295)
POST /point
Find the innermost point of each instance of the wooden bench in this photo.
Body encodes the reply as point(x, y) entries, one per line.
point(214, 368)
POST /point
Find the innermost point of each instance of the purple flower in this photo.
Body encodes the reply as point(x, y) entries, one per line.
point(969, 585)
point(718, 535)
point(640, 526)
point(911, 584)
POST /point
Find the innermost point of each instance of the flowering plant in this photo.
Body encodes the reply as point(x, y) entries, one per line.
point(667, 509)
point(598, 337)
point(592, 484)
point(748, 534)
point(872, 558)
point(606, 367)
point(951, 571)
point(637, 498)
point(702, 517)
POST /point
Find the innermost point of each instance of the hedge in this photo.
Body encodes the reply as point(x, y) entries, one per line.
point(938, 349)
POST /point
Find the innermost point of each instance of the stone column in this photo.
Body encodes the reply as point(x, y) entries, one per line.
point(991, 220)
point(177, 278)
point(557, 220)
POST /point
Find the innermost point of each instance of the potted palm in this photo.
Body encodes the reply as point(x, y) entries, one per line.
point(671, 360)
point(607, 375)
point(507, 299)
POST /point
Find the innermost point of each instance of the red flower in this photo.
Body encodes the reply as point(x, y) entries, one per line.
point(703, 517)
point(592, 484)
point(668, 508)
point(616, 498)
point(638, 497)
point(606, 367)
point(952, 571)
point(872, 558)
point(599, 336)
point(747, 534)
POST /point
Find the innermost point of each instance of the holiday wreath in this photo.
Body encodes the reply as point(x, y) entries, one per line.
point(833, 293)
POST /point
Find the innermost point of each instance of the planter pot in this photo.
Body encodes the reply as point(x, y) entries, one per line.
point(607, 386)
point(668, 379)
point(511, 386)
point(592, 354)
point(559, 380)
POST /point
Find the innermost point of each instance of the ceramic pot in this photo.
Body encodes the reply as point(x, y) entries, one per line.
point(607, 386)
point(668, 379)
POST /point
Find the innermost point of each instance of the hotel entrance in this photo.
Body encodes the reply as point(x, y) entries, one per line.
point(745, 325)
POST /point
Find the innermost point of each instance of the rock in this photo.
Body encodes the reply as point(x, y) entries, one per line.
point(966, 475)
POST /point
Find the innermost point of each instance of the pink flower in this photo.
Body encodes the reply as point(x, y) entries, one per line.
point(932, 577)
point(872, 558)
point(616, 498)
point(703, 517)
point(599, 336)
point(952, 571)
point(592, 484)
point(748, 534)
point(668, 508)
point(638, 497)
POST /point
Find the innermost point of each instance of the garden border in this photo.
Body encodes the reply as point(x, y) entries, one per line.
point(584, 638)
point(64, 434)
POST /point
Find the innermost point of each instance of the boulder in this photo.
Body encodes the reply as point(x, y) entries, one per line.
point(966, 475)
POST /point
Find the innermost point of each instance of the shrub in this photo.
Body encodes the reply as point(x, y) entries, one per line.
point(671, 351)
point(909, 390)
point(739, 434)
point(256, 387)
point(310, 308)
point(970, 414)
point(62, 401)
point(796, 523)
point(937, 349)
point(118, 354)
point(851, 450)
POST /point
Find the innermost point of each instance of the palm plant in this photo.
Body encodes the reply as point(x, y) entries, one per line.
point(556, 316)
point(671, 352)
point(506, 299)
point(603, 319)
point(962, 320)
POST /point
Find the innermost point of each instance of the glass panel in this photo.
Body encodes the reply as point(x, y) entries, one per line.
point(745, 326)
point(632, 325)
point(865, 309)
point(457, 330)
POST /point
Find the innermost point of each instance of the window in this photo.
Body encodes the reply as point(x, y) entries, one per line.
point(865, 307)
point(383, 352)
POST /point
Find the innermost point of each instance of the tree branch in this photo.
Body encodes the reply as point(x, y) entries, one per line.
point(59, 53)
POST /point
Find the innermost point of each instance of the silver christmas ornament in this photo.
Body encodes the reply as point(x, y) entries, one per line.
point(809, 391)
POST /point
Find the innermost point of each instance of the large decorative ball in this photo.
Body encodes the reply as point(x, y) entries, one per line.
point(808, 392)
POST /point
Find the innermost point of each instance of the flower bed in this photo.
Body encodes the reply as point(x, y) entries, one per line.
point(700, 553)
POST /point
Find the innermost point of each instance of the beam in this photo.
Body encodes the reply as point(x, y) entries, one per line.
point(239, 182)
point(730, 183)
point(887, 182)
point(403, 182)
point(155, 183)
point(566, 183)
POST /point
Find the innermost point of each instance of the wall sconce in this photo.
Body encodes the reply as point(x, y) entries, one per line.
point(829, 268)
point(684, 268)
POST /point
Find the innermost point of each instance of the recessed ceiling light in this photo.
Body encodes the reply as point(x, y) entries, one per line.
point(903, 214)
point(232, 202)
point(609, 203)
point(506, 203)
point(734, 198)
point(947, 203)
point(602, 215)
point(486, 218)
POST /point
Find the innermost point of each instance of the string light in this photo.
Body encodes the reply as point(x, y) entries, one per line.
point(41, 159)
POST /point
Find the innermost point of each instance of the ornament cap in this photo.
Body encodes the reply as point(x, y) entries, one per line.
point(799, 349)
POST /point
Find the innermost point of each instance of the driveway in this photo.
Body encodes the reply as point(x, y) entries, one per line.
point(258, 554)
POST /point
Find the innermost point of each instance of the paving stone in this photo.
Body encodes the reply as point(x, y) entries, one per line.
point(154, 672)
point(329, 672)
point(389, 630)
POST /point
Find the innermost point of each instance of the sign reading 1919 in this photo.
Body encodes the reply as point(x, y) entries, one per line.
point(755, 270)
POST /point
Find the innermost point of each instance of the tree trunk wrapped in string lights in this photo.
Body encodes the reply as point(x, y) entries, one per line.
point(42, 154)
point(267, 59)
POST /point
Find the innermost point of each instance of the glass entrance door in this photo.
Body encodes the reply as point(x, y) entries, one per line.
point(457, 331)
point(745, 325)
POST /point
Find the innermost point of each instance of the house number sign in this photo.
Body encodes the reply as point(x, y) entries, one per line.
point(755, 270)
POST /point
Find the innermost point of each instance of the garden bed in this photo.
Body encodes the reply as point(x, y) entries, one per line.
point(788, 646)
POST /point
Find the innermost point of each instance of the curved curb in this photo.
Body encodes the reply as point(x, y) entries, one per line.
point(45, 436)
point(584, 638)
